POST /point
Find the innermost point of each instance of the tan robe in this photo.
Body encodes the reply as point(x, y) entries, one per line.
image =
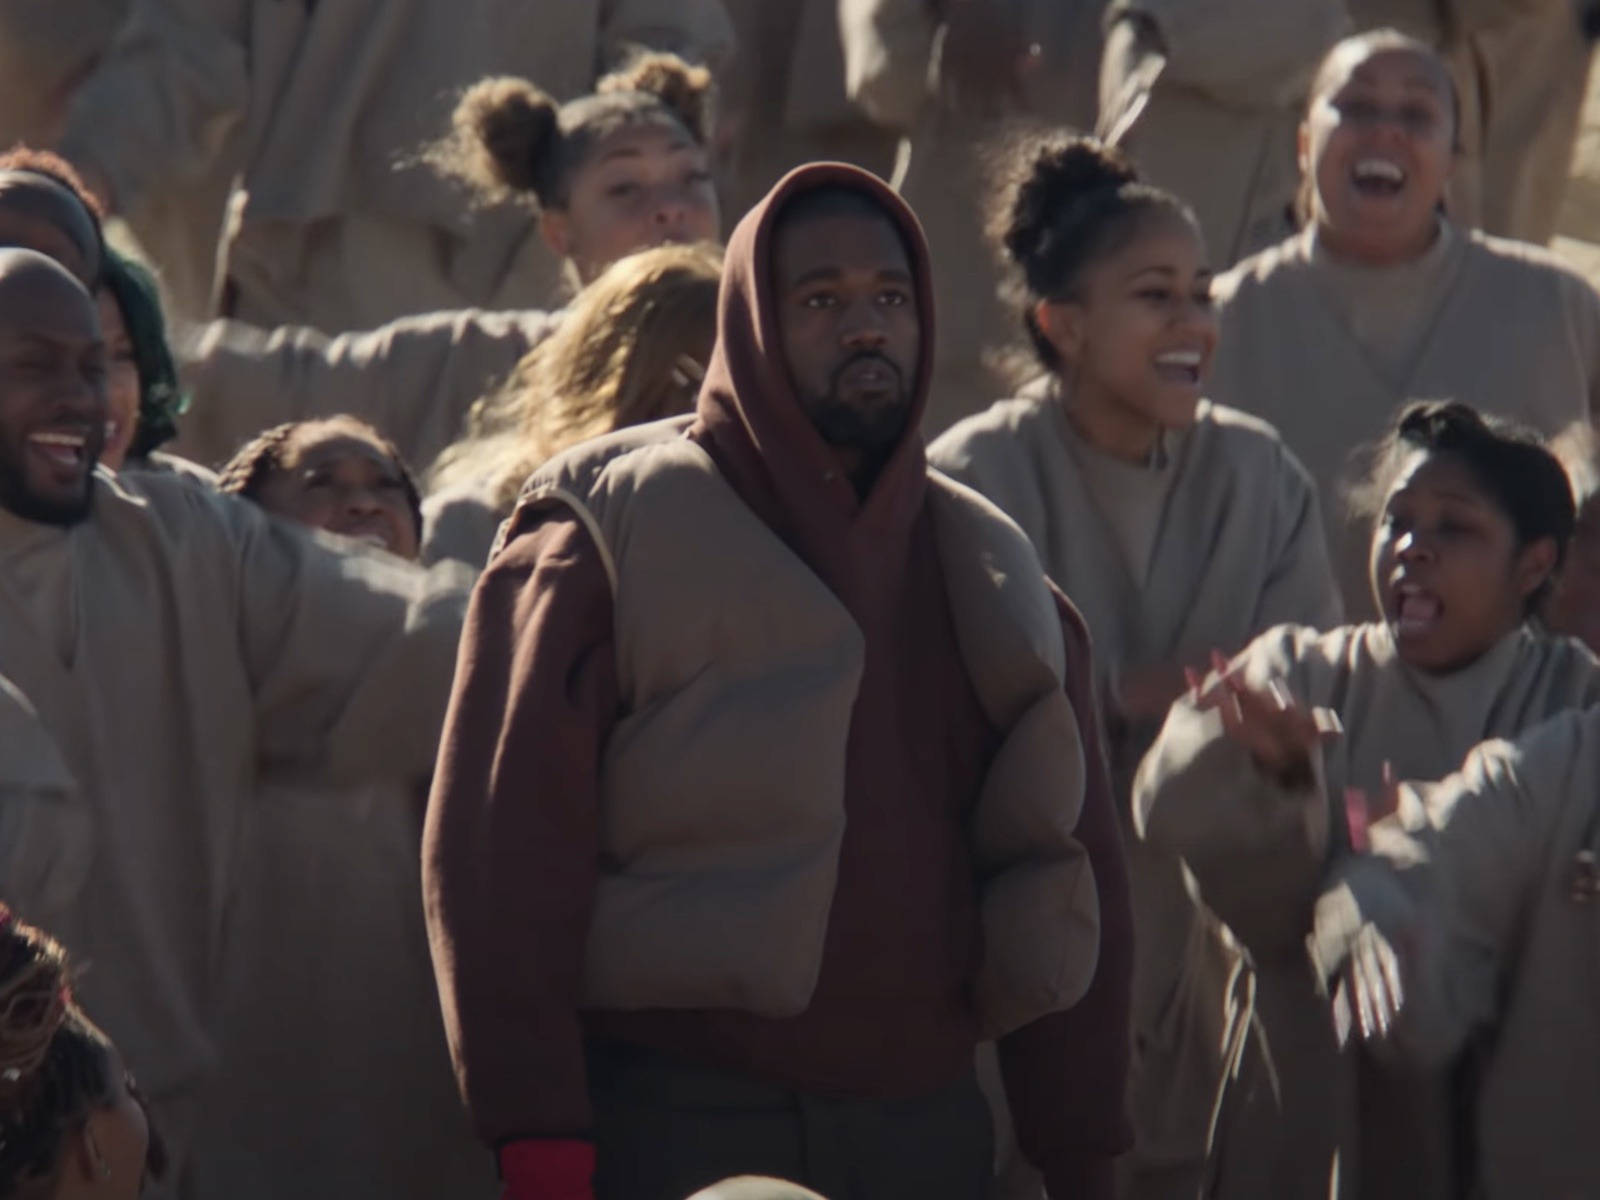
point(1498, 325)
point(415, 379)
point(1237, 548)
point(175, 643)
point(1214, 118)
point(788, 99)
point(334, 1079)
point(323, 110)
point(459, 524)
point(1259, 852)
point(891, 50)
point(1474, 877)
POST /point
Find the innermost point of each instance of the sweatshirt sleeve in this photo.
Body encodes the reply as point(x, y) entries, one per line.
point(414, 378)
point(1066, 1074)
point(170, 89)
point(510, 846)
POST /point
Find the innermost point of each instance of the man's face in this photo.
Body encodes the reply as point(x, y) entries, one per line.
point(847, 312)
point(52, 397)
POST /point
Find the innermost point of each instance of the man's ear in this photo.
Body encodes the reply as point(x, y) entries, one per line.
point(555, 227)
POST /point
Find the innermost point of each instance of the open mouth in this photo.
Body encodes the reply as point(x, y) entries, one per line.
point(1416, 611)
point(61, 448)
point(1180, 366)
point(869, 375)
point(1378, 177)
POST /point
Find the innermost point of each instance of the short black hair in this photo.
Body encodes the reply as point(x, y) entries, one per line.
point(1513, 466)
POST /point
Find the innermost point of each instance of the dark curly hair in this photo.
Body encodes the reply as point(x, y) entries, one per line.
point(56, 1067)
point(1513, 466)
point(511, 139)
point(1066, 204)
point(254, 463)
point(53, 168)
point(161, 398)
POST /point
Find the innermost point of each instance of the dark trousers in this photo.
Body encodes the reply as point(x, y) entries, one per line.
point(664, 1128)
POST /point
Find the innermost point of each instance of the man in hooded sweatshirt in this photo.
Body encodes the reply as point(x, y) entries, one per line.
point(771, 785)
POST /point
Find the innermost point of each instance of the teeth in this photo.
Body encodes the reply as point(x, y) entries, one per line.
point(1179, 358)
point(1378, 168)
point(76, 440)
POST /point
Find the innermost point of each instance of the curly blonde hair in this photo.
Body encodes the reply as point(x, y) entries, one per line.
point(632, 349)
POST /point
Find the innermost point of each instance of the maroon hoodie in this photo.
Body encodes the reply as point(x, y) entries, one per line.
point(512, 839)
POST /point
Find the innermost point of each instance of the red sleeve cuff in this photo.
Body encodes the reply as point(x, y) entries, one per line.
point(547, 1170)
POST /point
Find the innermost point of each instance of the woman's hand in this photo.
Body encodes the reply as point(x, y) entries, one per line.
point(1369, 995)
point(1280, 733)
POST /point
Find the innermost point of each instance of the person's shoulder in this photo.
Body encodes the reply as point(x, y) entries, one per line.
point(1261, 271)
point(1507, 258)
point(1249, 444)
point(578, 469)
point(997, 427)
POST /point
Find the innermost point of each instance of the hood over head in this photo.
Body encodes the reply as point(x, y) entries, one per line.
point(750, 420)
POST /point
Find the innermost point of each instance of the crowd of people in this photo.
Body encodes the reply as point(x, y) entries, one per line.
point(1057, 659)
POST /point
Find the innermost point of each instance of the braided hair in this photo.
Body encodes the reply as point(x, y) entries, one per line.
point(263, 456)
point(1067, 204)
point(55, 1065)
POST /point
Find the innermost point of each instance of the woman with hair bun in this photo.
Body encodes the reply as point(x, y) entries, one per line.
point(617, 171)
point(72, 1124)
point(1383, 298)
point(1257, 776)
point(1177, 526)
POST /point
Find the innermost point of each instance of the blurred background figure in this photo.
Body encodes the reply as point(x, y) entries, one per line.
point(1205, 97)
point(1574, 604)
point(72, 1123)
point(633, 348)
point(950, 77)
point(756, 1187)
point(321, 111)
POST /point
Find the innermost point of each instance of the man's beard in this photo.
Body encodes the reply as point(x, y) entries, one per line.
point(16, 499)
point(874, 430)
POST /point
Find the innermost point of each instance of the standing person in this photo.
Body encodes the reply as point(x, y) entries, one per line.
point(1497, 946)
point(1205, 97)
point(631, 350)
point(329, 906)
point(1177, 526)
point(322, 111)
point(72, 1123)
point(175, 643)
point(819, 784)
point(620, 170)
point(1381, 298)
point(1247, 780)
point(1573, 607)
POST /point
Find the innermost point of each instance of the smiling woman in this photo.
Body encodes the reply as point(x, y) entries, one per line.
point(1177, 526)
point(1382, 299)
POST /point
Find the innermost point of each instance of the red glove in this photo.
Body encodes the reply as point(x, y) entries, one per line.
point(547, 1170)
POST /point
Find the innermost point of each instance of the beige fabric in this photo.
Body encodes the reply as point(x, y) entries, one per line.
point(1209, 110)
point(1512, 332)
point(46, 828)
point(210, 642)
point(415, 378)
point(1238, 549)
point(44, 50)
point(323, 109)
point(334, 1078)
point(1259, 853)
point(460, 524)
point(891, 55)
point(780, 730)
point(1501, 951)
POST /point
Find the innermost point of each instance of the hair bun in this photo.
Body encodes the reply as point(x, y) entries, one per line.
point(685, 89)
point(1056, 176)
point(505, 128)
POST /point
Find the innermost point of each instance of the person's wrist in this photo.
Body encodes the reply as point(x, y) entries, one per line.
point(547, 1169)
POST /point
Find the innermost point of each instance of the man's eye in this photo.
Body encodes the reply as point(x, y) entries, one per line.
point(622, 191)
point(819, 300)
point(894, 299)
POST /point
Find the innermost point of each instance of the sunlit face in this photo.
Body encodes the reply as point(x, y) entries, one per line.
point(337, 480)
point(644, 185)
point(122, 382)
point(1447, 570)
point(52, 396)
point(852, 335)
point(1141, 331)
point(1379, 144)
